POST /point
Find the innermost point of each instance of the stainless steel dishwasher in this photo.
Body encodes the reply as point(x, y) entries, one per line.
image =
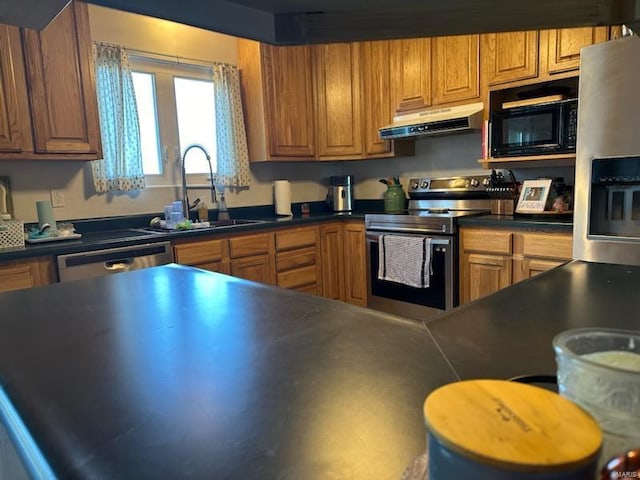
point(76, 266)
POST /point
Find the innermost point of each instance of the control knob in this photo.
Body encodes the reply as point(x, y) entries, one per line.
point(486, 181)
point(413, 185)
point(424, 184)
point(474, 182)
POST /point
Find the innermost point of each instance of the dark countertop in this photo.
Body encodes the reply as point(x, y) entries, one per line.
point(123, 231)
point(542, 223)
point(170, 372)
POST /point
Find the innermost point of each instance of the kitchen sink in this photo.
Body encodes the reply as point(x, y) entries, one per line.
point(213, 225)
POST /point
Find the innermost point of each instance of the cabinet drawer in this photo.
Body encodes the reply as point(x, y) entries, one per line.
point(547, 245)
point(295, 238)
point(249, 245)
point(296, 258)
point(492, 241)
point(194, 253)
point(298, 277)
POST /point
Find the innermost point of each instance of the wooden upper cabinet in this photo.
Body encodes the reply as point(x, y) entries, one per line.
point(509, 56)
point(14, 110)
point(376, 86)
point(564, 44)
point(61, 78)
point(288, 89)
point(339, 96)
point(455, 68)
point(410, 65)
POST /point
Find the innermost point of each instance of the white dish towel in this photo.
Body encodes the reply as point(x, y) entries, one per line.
point(405, 260)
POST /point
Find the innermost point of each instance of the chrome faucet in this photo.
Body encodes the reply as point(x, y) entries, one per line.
point(185, 197)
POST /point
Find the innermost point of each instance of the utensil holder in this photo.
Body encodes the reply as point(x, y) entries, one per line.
point(394, 199)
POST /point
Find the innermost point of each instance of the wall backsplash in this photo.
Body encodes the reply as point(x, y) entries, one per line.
point(435, 157)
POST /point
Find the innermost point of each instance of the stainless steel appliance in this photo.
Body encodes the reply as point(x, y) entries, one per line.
point(340, 194)
point(435, 121)
point(77, 266)
point(434, 207)
point(607, 184)
point(540, 129)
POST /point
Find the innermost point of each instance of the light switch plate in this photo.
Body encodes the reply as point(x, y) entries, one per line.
point(57, 198)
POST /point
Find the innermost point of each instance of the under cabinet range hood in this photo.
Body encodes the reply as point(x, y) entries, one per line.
point(437, 121)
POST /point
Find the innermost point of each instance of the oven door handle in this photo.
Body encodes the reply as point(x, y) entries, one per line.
point(421, 231)
point(434, 241)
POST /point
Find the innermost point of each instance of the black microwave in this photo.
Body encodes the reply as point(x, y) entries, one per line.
point(540, 129)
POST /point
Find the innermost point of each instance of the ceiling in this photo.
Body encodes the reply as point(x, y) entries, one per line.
point(320, 21)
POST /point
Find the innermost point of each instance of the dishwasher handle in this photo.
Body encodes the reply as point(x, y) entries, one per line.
point(113, 266)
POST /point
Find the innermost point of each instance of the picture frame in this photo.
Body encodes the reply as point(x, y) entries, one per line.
point(533, 196)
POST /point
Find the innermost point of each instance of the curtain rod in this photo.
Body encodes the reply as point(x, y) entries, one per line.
point(171, 58)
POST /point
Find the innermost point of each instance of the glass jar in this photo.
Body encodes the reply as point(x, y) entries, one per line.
point(394, 199)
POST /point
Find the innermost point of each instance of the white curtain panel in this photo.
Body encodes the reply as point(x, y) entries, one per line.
point(233, 156)
point(121, 167)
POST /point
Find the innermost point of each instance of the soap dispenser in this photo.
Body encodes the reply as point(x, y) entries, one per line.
point(223, 213)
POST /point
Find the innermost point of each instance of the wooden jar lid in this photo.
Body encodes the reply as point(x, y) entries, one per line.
point(511, 425)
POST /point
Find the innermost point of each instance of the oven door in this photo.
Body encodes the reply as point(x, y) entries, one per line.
point(407, 301)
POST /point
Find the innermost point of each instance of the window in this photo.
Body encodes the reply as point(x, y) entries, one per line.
point(144, 86)
point(176, 109)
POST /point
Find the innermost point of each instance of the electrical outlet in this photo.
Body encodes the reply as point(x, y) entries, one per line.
point(57, 198)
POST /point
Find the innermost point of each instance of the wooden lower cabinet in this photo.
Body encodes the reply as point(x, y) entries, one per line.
point(355, 264)
point(19, 274)
point(209, 255)
point(537, 252)
point(333, 265)
point(326, 259)
point(492, 259)
point(256, 268)
point(297, 262)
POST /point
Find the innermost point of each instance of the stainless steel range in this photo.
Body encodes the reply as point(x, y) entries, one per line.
point(435, 205)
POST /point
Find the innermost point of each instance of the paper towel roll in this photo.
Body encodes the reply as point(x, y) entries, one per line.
point(45, 215)
point(282, 194)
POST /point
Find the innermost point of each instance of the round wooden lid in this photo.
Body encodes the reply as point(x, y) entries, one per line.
point(511, 425)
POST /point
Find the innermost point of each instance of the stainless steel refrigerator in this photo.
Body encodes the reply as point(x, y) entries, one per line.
point(607, 183)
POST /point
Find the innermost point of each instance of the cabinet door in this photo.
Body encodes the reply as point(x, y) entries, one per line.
point(510, 56)
point(483, 274)
point(20, 274)
point(333, 265)
point(455, 69)
point(288, 86)
point(536, 252)
point(533, 266)
point(376, 98)
point(564, 44)
point(62, 84)
point(410, 74)
point(339, 97)
point(14, 110)
point(355, 264)
point(257, 268)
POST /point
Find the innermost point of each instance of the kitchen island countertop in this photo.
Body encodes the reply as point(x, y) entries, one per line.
point(174, 372)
